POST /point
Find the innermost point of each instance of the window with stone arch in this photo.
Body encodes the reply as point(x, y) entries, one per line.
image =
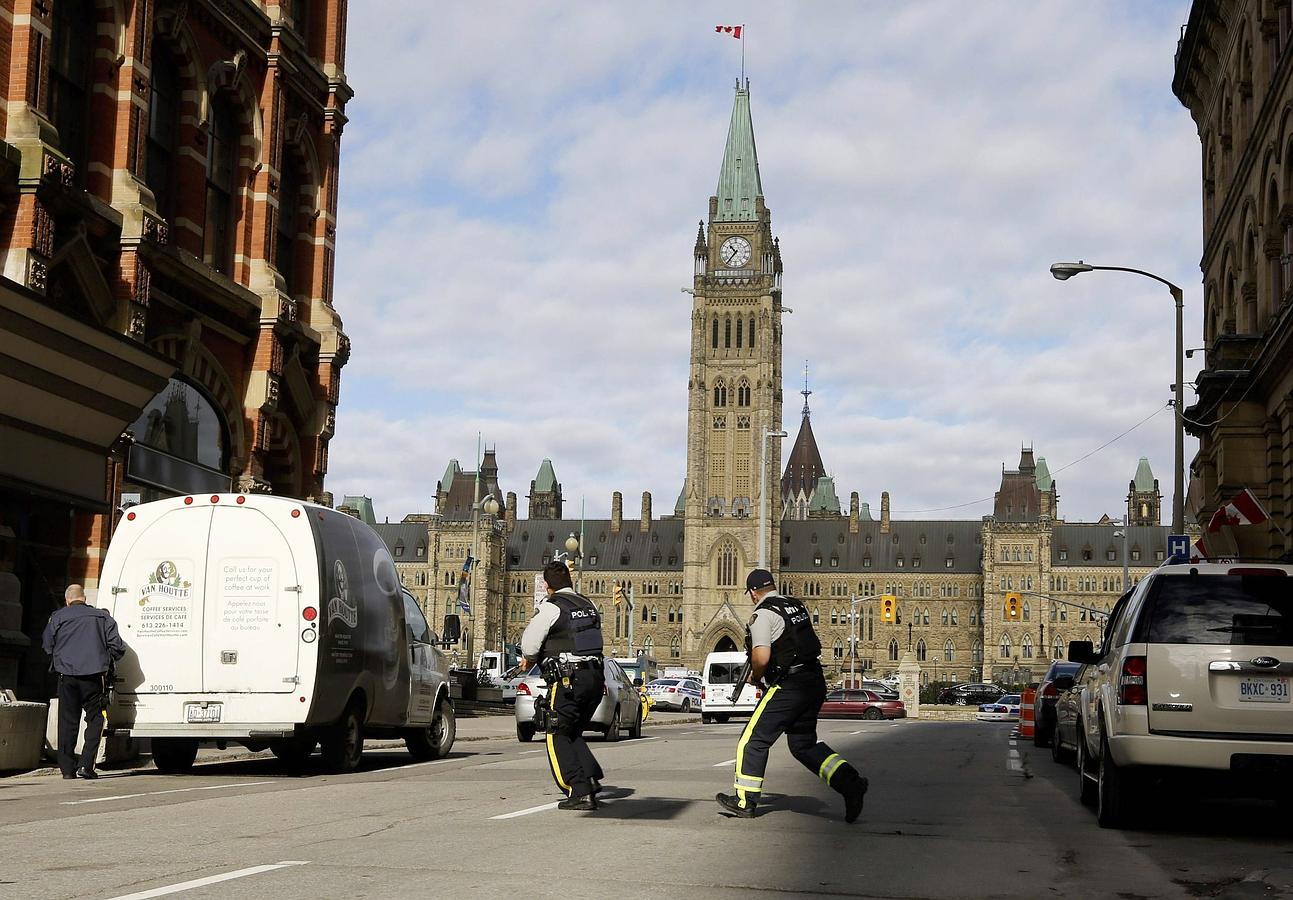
point(675, 647)
point(727, 334)
point(949, 651)
point(976, 652)
point(221, 182)
point(71, 79)
point(726, 564)
point(1026, 647)
point(720, 393)
point(713, 340)
point(740, 334)
point(648, 645)
point(1003, 649)
point(920, 650)
point(893, 649)
point(743, 392)
point(751, 341)
point(162, 152)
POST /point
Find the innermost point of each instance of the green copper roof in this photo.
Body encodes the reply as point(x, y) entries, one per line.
point(1043, 475)
point(738, 181)
point(1144, 477)
point(824, 496)
point(546, 480)
point(451, 470)
point(865, 514)
point(363, 506)
point(680, 508)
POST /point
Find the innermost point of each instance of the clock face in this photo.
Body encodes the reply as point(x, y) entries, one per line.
point(735, 252)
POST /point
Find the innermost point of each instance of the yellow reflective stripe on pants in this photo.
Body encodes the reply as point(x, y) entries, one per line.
point(754, 783)
point(829, 766)
point(552, 750)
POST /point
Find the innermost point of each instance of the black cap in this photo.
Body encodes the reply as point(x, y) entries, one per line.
point(758, 579)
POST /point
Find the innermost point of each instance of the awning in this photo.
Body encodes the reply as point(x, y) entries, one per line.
point(68, 389)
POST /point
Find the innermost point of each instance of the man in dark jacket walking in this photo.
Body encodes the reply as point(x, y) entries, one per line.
point(82, 643)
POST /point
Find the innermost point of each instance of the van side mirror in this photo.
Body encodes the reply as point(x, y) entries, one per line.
point(1063, 682)
point(1081, 652)
point(452, 629)
point(637, 682)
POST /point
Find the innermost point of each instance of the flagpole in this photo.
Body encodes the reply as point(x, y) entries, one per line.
point(742, 53)
point(475, 530)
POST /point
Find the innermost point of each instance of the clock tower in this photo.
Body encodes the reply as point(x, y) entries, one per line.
point(734, 396)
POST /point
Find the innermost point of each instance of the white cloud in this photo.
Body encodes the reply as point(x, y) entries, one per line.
point(517, 219)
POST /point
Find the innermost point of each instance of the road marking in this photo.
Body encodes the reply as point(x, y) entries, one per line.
point(532, 810)
point(212, 787)
point(533, 751)
point(1013, 761)
point(210, 879)
point(726, 762)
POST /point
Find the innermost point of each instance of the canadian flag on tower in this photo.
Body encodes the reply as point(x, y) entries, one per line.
point(1242, 510)
point(733, 30)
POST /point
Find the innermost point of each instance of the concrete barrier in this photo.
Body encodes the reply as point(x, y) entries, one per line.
point(22, 733)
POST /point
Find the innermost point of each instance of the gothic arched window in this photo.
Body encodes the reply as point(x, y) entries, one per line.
point(743, 393)
point(751, 341)
point(893, 649)
point(71, 79)
point(949, 651)
point(1026, 647)
point(1003, 650)
point(920, 650)
point(727, 333)
point(727, 565)
point(720, 393)
point(740, 333)
point(713, 340)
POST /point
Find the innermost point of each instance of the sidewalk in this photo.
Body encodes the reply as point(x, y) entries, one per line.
point(470, 728)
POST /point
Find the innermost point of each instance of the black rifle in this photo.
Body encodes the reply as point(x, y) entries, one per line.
point(742, 678)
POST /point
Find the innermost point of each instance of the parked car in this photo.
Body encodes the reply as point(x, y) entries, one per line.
point(1004, 709)
point(969, 694)
point(861, 705)
point(1192, 679)
point(1064, 734)
point(884, 690)
point(620, 710)
point(675, 693)
point(1059, 677)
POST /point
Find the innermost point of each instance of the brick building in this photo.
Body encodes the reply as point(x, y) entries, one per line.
point(168, 181)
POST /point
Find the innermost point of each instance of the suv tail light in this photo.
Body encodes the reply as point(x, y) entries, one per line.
point(1131, 684)
point(1049, 690)
point(758, 695)
point(523, 688)
point(702, 693)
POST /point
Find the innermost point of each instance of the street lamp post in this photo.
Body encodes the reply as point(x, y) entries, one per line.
point(763, 495)
point(1126, 572)
point(1064, 271)
point(573, 552)
point(489, 506)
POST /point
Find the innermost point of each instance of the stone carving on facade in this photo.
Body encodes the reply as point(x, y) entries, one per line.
point(156, 230)
point(138, 323)
point(169, 22)
point(58, 169)
point(37, 275)
point(142, 292)
point(250, 484)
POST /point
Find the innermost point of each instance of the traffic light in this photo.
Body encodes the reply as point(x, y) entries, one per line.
point(888, 608)
point(1012, 607)
point(618, 593)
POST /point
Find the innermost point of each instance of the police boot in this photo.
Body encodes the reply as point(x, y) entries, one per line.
point(731, 805)
point(585, 801)
point(853, 786)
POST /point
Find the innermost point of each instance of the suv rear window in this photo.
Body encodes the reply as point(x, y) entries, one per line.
point(1219, 609)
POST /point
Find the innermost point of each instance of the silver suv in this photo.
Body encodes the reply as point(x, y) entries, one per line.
point(1193, 676)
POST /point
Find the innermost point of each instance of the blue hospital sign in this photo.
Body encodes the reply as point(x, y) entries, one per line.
point(1178, 546)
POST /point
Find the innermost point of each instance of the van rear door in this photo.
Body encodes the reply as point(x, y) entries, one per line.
point(157, 602)
point(252, 608)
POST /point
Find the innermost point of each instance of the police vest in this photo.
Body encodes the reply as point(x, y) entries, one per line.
point(798, 643)
point(578, 629)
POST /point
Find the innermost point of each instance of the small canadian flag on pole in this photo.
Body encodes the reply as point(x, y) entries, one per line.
point(1244, 509)
point(733, 30)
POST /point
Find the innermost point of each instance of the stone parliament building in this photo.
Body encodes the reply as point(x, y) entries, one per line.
point(685, 571)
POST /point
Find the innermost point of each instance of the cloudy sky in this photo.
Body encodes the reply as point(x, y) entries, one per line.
point(518, 214)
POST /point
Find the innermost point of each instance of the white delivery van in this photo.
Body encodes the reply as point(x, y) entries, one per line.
point(496, 663)
point(716, 686)
point(272, 623)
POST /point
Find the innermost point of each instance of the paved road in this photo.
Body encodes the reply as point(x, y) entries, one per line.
point(956, 809)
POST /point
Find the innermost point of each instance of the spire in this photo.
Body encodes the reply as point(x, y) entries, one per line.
point(1144, 479)
point(701, 246)
point(738, 181)
point(546, 480)
point(805, 391)
point(804, 465)
point(1043, 475)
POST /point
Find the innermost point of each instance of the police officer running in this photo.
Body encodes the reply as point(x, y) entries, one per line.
point(82, 643)
point(784, 653)
point(565, 638)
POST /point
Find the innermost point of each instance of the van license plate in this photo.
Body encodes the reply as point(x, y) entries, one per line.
point(1264, 690)
point(198, 713)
